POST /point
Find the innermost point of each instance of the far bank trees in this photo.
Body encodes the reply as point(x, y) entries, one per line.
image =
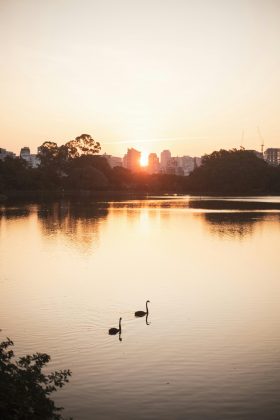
point(73, 165)
point(77, 166)
point(51, 154)
point(236, 171)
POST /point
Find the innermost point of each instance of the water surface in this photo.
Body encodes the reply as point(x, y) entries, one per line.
point(210, 268)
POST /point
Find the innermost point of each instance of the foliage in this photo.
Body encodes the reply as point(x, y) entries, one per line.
point(51, 154)
point(15, 174)
point(233, 172)
point(48, 153)
point(75, 166)
point(25, 389)
point(86, 178)
point(83, 145)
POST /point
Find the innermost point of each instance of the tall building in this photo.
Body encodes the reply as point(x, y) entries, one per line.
point(4, 154)
point(32, 160)
point(24, 153)
point(272, 156)
point(131, 160)
point(188, 164)
point(153, 163)
point(172, 165)
point(179, 165)
point(165, 156)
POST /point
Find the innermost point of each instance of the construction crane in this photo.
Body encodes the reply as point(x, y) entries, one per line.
point(242, 140)
point(262, 140)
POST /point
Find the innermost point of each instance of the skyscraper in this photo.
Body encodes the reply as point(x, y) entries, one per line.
point(132, 160)
point(165, 156)
point(153, 163)
point(272, 156)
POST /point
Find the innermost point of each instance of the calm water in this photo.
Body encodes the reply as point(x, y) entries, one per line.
point(211, 271)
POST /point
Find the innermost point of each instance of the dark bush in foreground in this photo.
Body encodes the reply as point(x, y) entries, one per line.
point(25, 389)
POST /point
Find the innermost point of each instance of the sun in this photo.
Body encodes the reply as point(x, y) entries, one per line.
point(144, 159)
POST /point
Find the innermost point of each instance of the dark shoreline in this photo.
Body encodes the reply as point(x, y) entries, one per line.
point(51, 194)
point(197, 200)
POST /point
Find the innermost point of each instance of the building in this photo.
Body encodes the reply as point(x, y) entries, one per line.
point(131, 160)
point(179, 165)
point(165, 156)
point(188, 164)
point(5, 153)
point(32, 160)
point(153, 163)
point(258, 154)
point(113, 160)
point(272, 156)
point(172, 166)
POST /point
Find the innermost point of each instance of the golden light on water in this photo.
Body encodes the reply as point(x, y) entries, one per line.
point(210, 320)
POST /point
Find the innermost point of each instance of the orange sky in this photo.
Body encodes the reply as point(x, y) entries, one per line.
point(187, 75)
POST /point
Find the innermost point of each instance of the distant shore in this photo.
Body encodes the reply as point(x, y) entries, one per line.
point(223, 173)
point(84, 194)
point(111, 194)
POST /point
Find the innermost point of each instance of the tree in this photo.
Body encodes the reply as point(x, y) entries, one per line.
point(14, 174)
point(25, 389)
point(230, 172)
point(48, 153)
point(86, 178)
point(81, 146)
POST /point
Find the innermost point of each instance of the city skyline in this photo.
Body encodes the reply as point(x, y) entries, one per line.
point(144, 156)
point(139, 73)
point(145, 150)
point(135, 160)
point(102, 152)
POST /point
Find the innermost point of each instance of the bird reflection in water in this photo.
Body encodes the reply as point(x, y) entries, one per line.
point(114, 331)
point(140, 314)
point(147, 322)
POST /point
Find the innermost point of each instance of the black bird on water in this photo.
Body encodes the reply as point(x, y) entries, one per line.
point(114, 331)
point(142, 313)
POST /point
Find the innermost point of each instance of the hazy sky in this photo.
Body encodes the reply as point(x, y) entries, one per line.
point(188, 75)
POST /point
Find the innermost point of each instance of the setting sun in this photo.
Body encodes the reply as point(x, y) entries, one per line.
point(144, 159)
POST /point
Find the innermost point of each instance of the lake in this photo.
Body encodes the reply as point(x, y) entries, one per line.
point(210, 347)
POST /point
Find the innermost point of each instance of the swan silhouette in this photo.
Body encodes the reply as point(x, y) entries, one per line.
point(114, 331)
point(142, 313)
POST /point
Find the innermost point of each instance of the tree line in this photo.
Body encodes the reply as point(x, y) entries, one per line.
point(76, 166)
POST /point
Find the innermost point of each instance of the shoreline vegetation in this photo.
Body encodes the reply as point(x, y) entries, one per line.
point(75, 170)
point(25, 388)
point(95, 196)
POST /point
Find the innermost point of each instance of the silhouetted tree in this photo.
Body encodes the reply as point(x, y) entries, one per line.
point(83, 145)
point(48, 153)
point(76, 165)
point(86, 178)
point(233, 172)
point(25, 389)
point(121, 178)
point(14, 174)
